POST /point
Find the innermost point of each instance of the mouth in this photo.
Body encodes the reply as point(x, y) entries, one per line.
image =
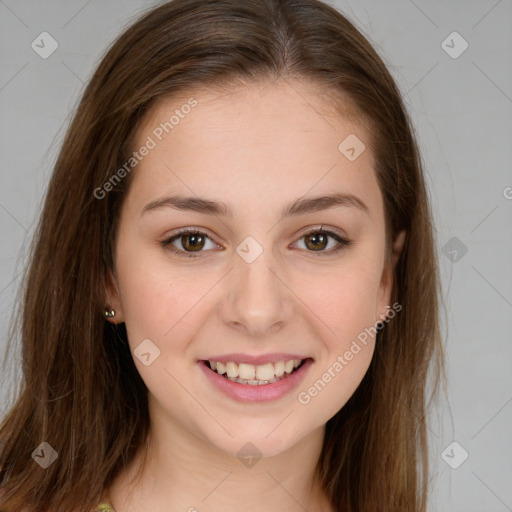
point(256, 375)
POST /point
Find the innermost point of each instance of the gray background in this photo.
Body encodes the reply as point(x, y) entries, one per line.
point(462, 110)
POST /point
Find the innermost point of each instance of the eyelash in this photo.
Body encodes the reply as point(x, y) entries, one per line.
point(342, 242)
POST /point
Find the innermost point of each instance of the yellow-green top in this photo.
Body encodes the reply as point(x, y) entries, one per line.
point(105, 506)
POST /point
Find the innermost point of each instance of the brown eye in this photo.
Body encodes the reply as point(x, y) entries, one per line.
point(192, 242)
point(316, 241)
point(189, 243)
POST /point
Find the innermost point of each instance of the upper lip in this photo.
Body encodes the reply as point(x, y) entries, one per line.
point(255, 360)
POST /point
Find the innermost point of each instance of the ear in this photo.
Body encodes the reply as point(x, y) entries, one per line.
point(387, 281)
point(113, 299)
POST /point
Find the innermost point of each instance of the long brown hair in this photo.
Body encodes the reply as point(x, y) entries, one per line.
point(80, 390)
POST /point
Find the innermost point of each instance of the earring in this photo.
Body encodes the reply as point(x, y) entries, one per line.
point(109, 313)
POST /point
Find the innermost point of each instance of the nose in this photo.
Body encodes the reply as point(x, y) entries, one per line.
point(258, 300)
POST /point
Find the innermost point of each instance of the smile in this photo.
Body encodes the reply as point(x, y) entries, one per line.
point(262, 383)
point(255, 375)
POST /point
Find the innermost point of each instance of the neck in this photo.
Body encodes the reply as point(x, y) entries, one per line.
point(181, 468)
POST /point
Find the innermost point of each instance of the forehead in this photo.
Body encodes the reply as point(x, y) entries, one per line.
point(269, 139)
point(259, 108)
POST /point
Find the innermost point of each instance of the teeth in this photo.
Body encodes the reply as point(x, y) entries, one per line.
point(232, 369)
point(246, 371)
point(288, 367)
point(254, 382)
point(279, 368)
point(255, 375)
point(265, 372)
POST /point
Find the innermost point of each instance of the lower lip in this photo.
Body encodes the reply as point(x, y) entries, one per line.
point(258, 393)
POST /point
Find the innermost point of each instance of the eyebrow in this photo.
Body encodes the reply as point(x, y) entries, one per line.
point(298, 207)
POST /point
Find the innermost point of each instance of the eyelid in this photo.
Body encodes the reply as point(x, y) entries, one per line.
point(323, 228)
point(192, 230)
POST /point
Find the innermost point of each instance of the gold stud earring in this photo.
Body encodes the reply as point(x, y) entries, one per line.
point(109, 313)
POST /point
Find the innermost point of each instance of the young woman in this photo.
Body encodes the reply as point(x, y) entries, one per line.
point(232, 299)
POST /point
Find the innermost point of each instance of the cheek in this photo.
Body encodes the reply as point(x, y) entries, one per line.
point(152, 301)
point(343, 301)
point(344, 308)
point(347, 347)
point(332, 385)
point(163, 303)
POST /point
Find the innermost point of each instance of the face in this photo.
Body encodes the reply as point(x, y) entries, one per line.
point(253, 267)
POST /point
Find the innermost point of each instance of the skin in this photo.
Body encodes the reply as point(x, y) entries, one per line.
point(256, 149)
